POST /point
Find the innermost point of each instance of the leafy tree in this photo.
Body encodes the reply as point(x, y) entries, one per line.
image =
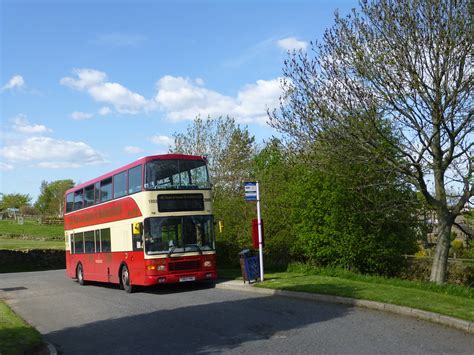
point(405, 64)
point(349, 213)
point(14, 200)
point(229, 149)
point(51, 198)
point(274, 171)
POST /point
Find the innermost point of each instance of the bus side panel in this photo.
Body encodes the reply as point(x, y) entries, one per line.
point(70, 268)
point(105, 267)
point(135, 261)
point(108, 266)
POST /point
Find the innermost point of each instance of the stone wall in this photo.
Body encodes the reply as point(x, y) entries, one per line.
point(29, 260)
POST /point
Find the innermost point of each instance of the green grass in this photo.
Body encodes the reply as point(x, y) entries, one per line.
point(30, 235)
point(455, 301)
point(17, 337)
point(450, 300)
point(21, 244)
point(31, 230)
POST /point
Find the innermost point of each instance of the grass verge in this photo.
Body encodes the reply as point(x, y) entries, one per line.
point(22, 244)
point(449, 300)
point(454, 301)
point(30, 235)
point(17, 337)
point(31, 230)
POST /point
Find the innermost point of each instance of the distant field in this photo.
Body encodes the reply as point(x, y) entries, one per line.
point(30, 235)
point(20, 244)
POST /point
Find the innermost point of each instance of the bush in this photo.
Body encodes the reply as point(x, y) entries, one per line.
point(457, 245)
point(28, 211)
point(31, 260)
point(419, 269)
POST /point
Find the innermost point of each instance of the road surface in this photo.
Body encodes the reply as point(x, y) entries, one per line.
point(190, 318)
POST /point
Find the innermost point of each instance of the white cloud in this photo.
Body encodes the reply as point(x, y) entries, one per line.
point(162, 140)
point(21, 124)
point(52, 153)
point(104, 111)
point(95, 84)
point(79, 116)
point(5, 166)
point(183, 99)
point(291, 43)
point(255, 99)
point(86, 78)
point(16, 82)
point(124, 100)
point(132, 150)
point(180, 98)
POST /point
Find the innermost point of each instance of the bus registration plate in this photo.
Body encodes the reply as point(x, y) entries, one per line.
point(187, 278)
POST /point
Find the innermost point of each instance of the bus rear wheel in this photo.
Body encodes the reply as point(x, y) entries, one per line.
point(80, 275)
point(125, 279)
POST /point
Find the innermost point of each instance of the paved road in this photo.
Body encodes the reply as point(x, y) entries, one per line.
point(196, 319)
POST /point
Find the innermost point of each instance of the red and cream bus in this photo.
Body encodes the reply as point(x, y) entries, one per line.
point(149, 222)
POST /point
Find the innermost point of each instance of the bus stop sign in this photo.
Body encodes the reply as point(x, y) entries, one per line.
point(250, 191)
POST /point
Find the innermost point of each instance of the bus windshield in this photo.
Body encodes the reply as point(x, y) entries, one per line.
point(176, 174)
point(168, 235)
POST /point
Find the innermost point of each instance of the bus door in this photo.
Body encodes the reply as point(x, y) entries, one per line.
point(71, 264)
point(102, 255)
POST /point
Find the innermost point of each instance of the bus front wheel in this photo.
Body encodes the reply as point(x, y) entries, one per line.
point(80, 275)
point(125, 279)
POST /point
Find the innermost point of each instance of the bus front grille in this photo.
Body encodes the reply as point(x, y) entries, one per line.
point(184, 265)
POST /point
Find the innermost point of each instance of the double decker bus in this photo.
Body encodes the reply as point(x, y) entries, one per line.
point(149, 222)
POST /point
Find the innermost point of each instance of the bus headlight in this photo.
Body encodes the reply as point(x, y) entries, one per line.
point(208, 263)
point(156, 267)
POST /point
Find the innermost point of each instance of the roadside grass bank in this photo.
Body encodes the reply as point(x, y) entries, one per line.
point(31, 230)
point(30, 235)
point(16, 336)
point(449, 300)
point(22, 244)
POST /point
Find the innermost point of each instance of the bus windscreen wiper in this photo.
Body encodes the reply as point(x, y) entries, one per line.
point(171, 251)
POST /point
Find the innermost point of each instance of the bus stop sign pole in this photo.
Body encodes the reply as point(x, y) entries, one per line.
point(260, 239)
point(252, 193)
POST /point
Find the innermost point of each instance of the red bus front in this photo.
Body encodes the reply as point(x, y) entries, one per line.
point(157, 226)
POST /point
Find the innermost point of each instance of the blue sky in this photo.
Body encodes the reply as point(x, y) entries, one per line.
point(88, 86)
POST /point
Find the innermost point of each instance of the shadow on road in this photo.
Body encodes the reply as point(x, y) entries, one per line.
point(160, 289)
point(212, 327)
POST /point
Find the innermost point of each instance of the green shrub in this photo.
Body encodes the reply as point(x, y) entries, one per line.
point(457, 245)
point(419, 269)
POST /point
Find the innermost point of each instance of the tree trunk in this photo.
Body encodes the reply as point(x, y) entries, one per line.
point(440, 260)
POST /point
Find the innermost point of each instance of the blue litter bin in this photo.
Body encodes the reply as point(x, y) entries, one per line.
point(249, 265)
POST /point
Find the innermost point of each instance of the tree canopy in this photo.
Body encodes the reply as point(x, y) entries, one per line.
point(14, 200)
point(51, 197)
point(401, 69)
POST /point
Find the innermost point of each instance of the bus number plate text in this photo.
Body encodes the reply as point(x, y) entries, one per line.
point(187, 279)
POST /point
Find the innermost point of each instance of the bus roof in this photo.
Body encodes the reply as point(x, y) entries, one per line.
point(142, 160)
